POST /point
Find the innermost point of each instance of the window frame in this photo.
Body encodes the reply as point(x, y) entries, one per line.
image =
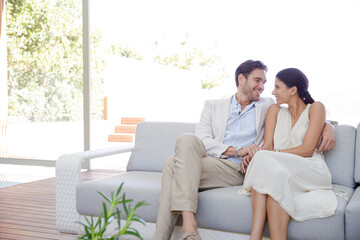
point(86, 99)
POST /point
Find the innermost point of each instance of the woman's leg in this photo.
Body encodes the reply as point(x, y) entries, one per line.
point(258, 205)
point(278, 220)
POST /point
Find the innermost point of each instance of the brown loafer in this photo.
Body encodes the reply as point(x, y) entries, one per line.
point(190, 236)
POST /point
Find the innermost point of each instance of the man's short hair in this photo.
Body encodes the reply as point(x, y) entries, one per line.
point(247, 67)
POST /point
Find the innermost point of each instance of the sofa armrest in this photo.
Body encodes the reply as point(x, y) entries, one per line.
point(68, 177)
point(352, 216)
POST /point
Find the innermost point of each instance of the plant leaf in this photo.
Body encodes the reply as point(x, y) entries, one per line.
point(134, 234)
point(105, 197)
point(108, 215)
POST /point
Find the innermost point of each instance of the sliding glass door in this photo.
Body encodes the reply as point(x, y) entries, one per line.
point(44, 79)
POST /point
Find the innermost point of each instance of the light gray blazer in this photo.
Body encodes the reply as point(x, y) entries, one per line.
point(213, 121)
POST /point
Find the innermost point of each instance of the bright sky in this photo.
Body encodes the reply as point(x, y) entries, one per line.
point(320, 37)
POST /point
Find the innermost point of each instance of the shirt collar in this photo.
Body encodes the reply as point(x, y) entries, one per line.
point(235, 105)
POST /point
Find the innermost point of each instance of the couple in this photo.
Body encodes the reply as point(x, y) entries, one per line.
point(249, 133)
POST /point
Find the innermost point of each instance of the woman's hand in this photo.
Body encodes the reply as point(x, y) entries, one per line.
point(245, 163)
point(327, 139)
point(249, 150)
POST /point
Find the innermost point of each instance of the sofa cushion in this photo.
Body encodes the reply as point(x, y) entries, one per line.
point(352, 217)
point(155, 143)
point(357, 155)
point(137, 185)
point(323, 228)
point(227, 210)
point(340, 160)
point(222, 209)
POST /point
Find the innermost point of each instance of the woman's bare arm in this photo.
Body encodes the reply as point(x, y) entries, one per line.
point(312, 136)
point(270, 123)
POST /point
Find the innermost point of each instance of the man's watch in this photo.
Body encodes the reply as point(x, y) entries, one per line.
point(237, 149)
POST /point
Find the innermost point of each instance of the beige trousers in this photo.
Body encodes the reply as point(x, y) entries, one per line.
point(189, 171)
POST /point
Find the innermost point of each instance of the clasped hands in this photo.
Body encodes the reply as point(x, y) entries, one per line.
point(247, 154)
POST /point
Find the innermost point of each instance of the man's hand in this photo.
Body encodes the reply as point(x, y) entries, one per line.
point(245, 163)
point(327, 139)
point(250, 150)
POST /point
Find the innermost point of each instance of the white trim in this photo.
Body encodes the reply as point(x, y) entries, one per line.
point(86, 77)
point(36, 162)
point(31, 162)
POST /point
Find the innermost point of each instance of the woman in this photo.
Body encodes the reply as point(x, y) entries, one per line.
point(289, 178)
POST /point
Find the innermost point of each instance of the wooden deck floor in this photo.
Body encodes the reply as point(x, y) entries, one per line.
point(27, 211)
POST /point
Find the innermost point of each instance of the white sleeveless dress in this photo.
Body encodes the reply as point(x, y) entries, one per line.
point(302, 186)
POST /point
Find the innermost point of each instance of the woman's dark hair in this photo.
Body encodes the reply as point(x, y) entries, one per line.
point(294, 77)
point(247, 67)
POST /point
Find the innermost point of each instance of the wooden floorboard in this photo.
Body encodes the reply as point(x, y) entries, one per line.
point(27, 211)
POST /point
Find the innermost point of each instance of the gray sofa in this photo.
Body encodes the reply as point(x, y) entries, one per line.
point(352, 211)
point(222, 213)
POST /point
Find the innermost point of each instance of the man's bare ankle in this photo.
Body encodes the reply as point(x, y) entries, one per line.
point(190, 228)
point(189, 222)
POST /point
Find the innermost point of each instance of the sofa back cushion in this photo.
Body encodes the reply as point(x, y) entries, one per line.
point(155, 143)
point(357, 155)
point(341, 160)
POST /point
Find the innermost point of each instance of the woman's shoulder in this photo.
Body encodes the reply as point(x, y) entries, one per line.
point(316, 109)
point(274, 109)
point(315, 106)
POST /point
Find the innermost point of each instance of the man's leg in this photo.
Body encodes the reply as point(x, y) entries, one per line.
point(189, 151)
point(186, 164)
point(183, 175)
point(215, 173)
point(166, 219)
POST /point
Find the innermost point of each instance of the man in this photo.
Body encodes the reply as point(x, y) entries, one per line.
point(228, 130)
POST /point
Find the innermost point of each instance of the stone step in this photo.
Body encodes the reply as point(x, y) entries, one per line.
point(125, 129)
point(131, 120)
point(120, 138)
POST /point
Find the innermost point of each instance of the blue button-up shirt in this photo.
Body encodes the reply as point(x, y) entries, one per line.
point(241, 126)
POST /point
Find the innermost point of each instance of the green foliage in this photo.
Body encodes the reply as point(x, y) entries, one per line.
point(96, 230)
point(184, 60)
point(45, 61)
point(214, 80)
point(124, 52)
point(190, 58)
point(44, 40)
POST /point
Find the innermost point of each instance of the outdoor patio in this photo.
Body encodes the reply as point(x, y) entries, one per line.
point(27, 211)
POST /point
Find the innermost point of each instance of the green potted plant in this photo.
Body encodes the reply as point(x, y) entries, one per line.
point(95, 230)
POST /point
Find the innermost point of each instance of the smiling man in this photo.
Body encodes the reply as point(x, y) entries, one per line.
point(228, 130)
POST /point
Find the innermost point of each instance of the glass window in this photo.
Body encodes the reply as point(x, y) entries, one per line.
point(159, 60)
point(44, 64)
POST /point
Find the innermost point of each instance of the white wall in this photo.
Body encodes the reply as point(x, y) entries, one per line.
point(154, 91)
